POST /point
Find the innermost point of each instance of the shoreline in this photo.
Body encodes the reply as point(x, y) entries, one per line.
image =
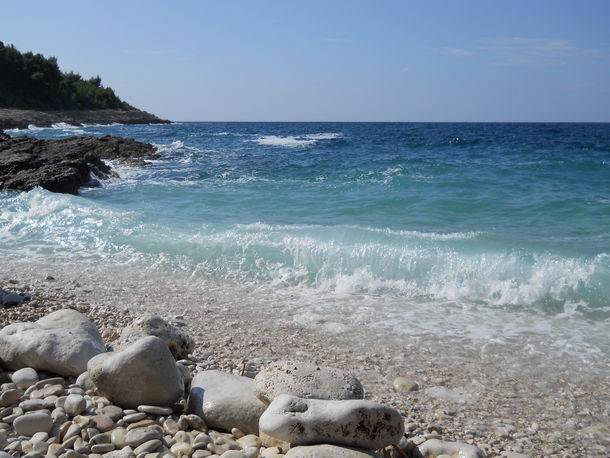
point(13, 118)
point(478, 394)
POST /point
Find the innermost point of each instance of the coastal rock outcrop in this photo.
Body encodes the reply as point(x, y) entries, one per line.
point(226, 401)
point(61, 342)
point(64, 165)
point(178, 342)
point(144, 372)
point(11, 118)
point(306, 380)
point(354, 423)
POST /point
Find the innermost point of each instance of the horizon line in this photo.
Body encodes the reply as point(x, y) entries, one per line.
point(398, 122)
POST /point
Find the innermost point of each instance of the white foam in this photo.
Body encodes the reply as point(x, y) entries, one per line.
point(288, 142)
point(295, 141)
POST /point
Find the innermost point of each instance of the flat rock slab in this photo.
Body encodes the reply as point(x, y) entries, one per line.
point(61, 343)
point(225, 401)
point(64, 165)
point(306, 380)
point(144, 373)
point(355, 423)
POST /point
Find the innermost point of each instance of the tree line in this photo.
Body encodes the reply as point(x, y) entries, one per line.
point(32, 81)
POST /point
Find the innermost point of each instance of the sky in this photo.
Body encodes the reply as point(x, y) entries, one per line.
point(312, 60)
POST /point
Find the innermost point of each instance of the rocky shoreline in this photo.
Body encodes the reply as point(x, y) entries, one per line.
point(12, 118)
point(64, 165)
point(480, 398)
point(85, 381)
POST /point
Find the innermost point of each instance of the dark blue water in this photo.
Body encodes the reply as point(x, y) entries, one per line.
point(499, 215)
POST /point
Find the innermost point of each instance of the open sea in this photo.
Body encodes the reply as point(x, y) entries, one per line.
point(477, 230)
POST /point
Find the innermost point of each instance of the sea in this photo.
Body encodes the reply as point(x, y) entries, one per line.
point(480, 231)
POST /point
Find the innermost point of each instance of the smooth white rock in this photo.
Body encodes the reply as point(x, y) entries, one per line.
point(61, 342)
point(328, 451)
point(24, 378)
point(225, 401)
point(355, 423)
point(435, 447)
point(33, 422)
point(178, 342)
point(75, 404)
point(306, 380)
point(143, 373)
point(84, 381)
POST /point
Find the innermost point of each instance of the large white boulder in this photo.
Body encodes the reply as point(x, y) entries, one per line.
point(178, 342)
point(61, 342)
point(306, 380)
point(225, 401)
point(355, 423)
point(328, 451)
point(145, 372)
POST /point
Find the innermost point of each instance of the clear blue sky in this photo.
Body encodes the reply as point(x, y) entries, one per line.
point(484, 60)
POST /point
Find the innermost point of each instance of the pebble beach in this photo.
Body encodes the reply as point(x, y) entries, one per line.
point(443, 392)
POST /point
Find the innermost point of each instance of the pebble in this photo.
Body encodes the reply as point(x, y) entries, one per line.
point(138, 436)
point(24, 378)
point(32, 423)
point(155, 410)
point(75, 404)
point(403, 384)
point(133, 417)
point(10, 397)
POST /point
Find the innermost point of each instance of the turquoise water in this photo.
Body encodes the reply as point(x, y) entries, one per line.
point(509, 216)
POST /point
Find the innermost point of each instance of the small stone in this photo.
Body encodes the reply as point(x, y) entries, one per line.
point(148, 447)
point(140, 424)
point(72, 431)
point(170, 426)
point(133, 417)
point(102, 448)
point(10, 397)
point(85, 382)
point(114, 412)
point(136, 437)
point(32, 404)
point(403, 384)
point(237, 433)
point(195, 422)
point(181, 449)
point(75, 404)
point(233, 454)
point(32, 423)
point(56, 449)
point(251, 440)
point(24, 378)
point(101, 438)
point(117, 437)
point(436, 447)
point(155, 410)
point(102, 422)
